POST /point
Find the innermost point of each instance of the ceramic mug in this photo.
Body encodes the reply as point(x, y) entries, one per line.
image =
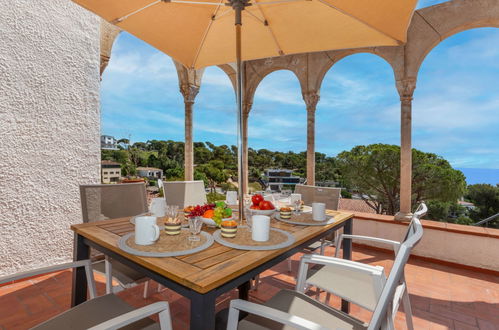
point(260, 228)
point(319, 211)
point(146, 230)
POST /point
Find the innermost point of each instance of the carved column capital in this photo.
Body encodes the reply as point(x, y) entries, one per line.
point(189, 92)
point(406, 89)
point(311, 99)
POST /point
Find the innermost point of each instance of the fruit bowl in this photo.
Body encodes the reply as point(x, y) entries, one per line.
point(211, 223)
point(261, 212)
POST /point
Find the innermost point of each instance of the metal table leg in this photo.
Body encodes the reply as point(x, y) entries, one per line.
point(203, 311)
point(81, 251)
point(347, 254)
point(244, 290)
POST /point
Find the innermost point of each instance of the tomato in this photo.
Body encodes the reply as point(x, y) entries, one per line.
point(254, 207)
point(256, 199)
point(266, 205)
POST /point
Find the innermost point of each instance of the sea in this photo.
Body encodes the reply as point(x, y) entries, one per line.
point(481, 175)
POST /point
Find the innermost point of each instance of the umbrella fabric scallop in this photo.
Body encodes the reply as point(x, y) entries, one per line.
point(201, 33)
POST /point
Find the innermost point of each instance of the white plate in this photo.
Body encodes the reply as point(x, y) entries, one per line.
point(329, 220)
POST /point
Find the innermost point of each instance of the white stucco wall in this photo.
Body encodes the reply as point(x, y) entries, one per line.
point(49, 127)
point(471, 250)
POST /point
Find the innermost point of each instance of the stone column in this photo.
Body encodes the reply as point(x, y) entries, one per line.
point(189, 92)
point(406, 90)
point(246, 111)
point(311, 99)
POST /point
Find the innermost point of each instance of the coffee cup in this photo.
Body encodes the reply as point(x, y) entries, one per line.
point(146, 230)
point(260, 228)
point(319, 211)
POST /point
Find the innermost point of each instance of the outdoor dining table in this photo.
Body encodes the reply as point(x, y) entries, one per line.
point(202, 276)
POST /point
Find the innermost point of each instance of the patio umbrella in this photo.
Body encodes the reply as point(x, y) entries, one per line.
point(200, 33)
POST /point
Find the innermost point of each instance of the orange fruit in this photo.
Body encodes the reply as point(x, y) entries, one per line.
point(208, 214)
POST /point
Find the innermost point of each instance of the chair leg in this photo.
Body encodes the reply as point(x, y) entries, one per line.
point(256, 281)
point(146, 289)
point(290, 263)
point(328, 297)
point(323, 246)
point(407, 309)
point(109, 275)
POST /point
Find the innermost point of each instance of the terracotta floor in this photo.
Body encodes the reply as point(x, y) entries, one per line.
point(442, 297)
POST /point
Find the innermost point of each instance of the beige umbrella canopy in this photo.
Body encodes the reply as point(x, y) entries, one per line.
point(200, 33)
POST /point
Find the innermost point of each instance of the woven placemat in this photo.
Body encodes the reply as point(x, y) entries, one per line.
point(278, 239)
point(166, 245)
point(305, 219)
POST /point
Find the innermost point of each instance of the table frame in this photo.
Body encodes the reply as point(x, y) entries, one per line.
point(202, 304)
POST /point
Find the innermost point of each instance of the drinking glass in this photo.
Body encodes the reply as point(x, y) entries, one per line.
point(249, 221)
point(171, 214)
point(297, 205)
point(195, 225)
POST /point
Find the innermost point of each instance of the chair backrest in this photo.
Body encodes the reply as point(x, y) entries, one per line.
point(160, 184)
point(184, 193)
point(326, 195)
point(353, 281)
point(110, 201)
point(413, 236)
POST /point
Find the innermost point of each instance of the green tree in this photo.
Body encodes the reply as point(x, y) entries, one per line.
point(486, 200)
point(373, 171)
point(214, 173)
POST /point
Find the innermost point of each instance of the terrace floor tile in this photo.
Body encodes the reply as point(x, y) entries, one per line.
point(442, 297)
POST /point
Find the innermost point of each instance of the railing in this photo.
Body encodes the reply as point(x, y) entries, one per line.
point(486, 221)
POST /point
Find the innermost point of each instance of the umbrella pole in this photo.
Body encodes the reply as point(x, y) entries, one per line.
point(238, 6)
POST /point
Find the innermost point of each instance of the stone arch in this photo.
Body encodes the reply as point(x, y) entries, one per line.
point(431, 25)
point(388, 54)
point(108, 35)
point(230, 71)
point(257, 70)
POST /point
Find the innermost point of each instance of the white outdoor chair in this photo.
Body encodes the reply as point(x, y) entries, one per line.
point(111, 201)
point(99, 313)
point(326, 195)
point(184, 193)
point(364, 285)
point(311, 194)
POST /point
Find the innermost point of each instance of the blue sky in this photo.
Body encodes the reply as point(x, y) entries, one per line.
point(455, 108)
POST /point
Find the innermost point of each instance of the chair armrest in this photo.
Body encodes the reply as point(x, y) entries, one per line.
point(160, 307)
point(268, 313)
point(318, 259)
point(87, 263)
point(394, 244)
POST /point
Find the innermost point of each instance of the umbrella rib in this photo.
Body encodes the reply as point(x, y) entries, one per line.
point(122, 18)
point(400, 42)
point(206, 34)
point(267, 24)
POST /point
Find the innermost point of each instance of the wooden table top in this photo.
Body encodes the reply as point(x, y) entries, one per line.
point(205, 270)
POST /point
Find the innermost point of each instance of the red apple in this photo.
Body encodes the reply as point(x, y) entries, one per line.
point(256, 199)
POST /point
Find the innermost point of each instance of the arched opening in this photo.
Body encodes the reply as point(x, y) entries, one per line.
point(359, 105)
point(140, 100)
point(215, 118)
point(278, 122)
point(278, 116)
point(456, 102)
